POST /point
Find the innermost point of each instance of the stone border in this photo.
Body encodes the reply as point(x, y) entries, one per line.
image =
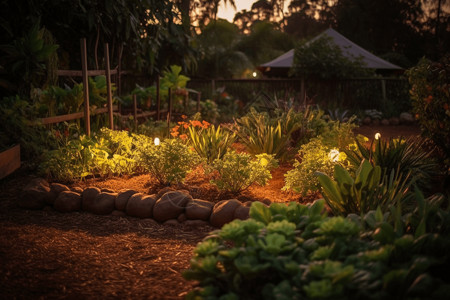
point(168, 206)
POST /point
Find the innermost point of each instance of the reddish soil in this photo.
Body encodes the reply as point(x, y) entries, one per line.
point(46, 254)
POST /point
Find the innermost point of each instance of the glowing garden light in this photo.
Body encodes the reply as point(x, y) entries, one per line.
point(254, 74)
point(377, 135)
point(157, 141)
point(334, 155)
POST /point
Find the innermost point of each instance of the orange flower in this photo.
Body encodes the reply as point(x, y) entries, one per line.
point(183, 136)
point(183, 117)
point(205, 124)
point(186, 125)
point(174, 134)
point(196, 123)
point(428, 99)
point(446, 106)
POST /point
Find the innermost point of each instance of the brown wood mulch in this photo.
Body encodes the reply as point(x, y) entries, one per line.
point(49, 255)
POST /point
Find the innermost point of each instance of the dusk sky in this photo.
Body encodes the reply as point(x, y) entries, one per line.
point(228, 12)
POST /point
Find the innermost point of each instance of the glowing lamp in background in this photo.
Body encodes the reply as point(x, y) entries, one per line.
point(377, 135)
point(157, 141)
point(334, 155)
point(254, 74)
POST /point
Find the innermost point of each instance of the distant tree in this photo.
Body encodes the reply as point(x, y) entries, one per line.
point(205, 11)
point(219, 55)
point(264, 42)
point(323, 59)
point(134, 29)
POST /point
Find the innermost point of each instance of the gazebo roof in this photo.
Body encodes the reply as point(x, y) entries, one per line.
point(349, 49)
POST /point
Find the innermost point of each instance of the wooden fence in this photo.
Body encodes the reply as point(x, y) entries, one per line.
point(359, 93)
point(110, 109)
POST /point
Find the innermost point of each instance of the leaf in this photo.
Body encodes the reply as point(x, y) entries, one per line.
point(260, 212)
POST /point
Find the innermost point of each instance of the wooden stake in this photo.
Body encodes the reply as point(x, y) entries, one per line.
point(199, 95)
point(87, 120)
point(108, 88)
point(135, 111)
point(158, 99)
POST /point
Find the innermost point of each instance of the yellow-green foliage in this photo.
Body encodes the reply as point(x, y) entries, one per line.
point(315, 157)
point(168, 162)
point(237, 171)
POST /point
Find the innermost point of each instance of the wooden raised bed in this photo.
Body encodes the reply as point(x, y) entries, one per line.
point(9, 161)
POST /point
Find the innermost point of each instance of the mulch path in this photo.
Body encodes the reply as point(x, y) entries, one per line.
point(46, 254)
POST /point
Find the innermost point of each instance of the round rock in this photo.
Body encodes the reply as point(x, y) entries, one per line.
point(35, 195)
point(77, 189)
point(88, 197)
point(242, 213)
point(197, 209)
point(103, 204)
point(140, 205)
point(223, 212)
point(68, 201)
point(170, 206)
point(122, 199)
point(55, 190)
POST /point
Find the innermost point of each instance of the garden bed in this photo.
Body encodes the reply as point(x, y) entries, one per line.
point(47, 254)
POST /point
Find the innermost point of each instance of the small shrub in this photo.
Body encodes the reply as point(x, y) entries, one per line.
point(315, 156)
point(261, 134)
point(105, 154)
point(430, 95)
point(71, 161)
point(237, 171)
point(168, 162)
point(211, 143)
point(369, 190)
point(406, 156)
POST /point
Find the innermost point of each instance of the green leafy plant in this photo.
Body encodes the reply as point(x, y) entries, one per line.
point(211, 143)
point(430, 95)
point(315, 156)
point(71, 161)
point(260, 134)
point(369, 190)
point(55, 100)
point(235, 172)
point(97, 91)
point(168, 162)
point(406, 156)
point(297, 252)
point(104, 154)
point(30, 59)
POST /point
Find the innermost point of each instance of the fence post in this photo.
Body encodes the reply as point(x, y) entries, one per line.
point(87, 120)
point(383, 89)
point(169, 111)
point(108, 87)
point(302, 92)
point(158, 99)
point(199, 95)
point(135, 111)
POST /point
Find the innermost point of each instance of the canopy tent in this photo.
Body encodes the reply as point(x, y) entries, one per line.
point(349, 49)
